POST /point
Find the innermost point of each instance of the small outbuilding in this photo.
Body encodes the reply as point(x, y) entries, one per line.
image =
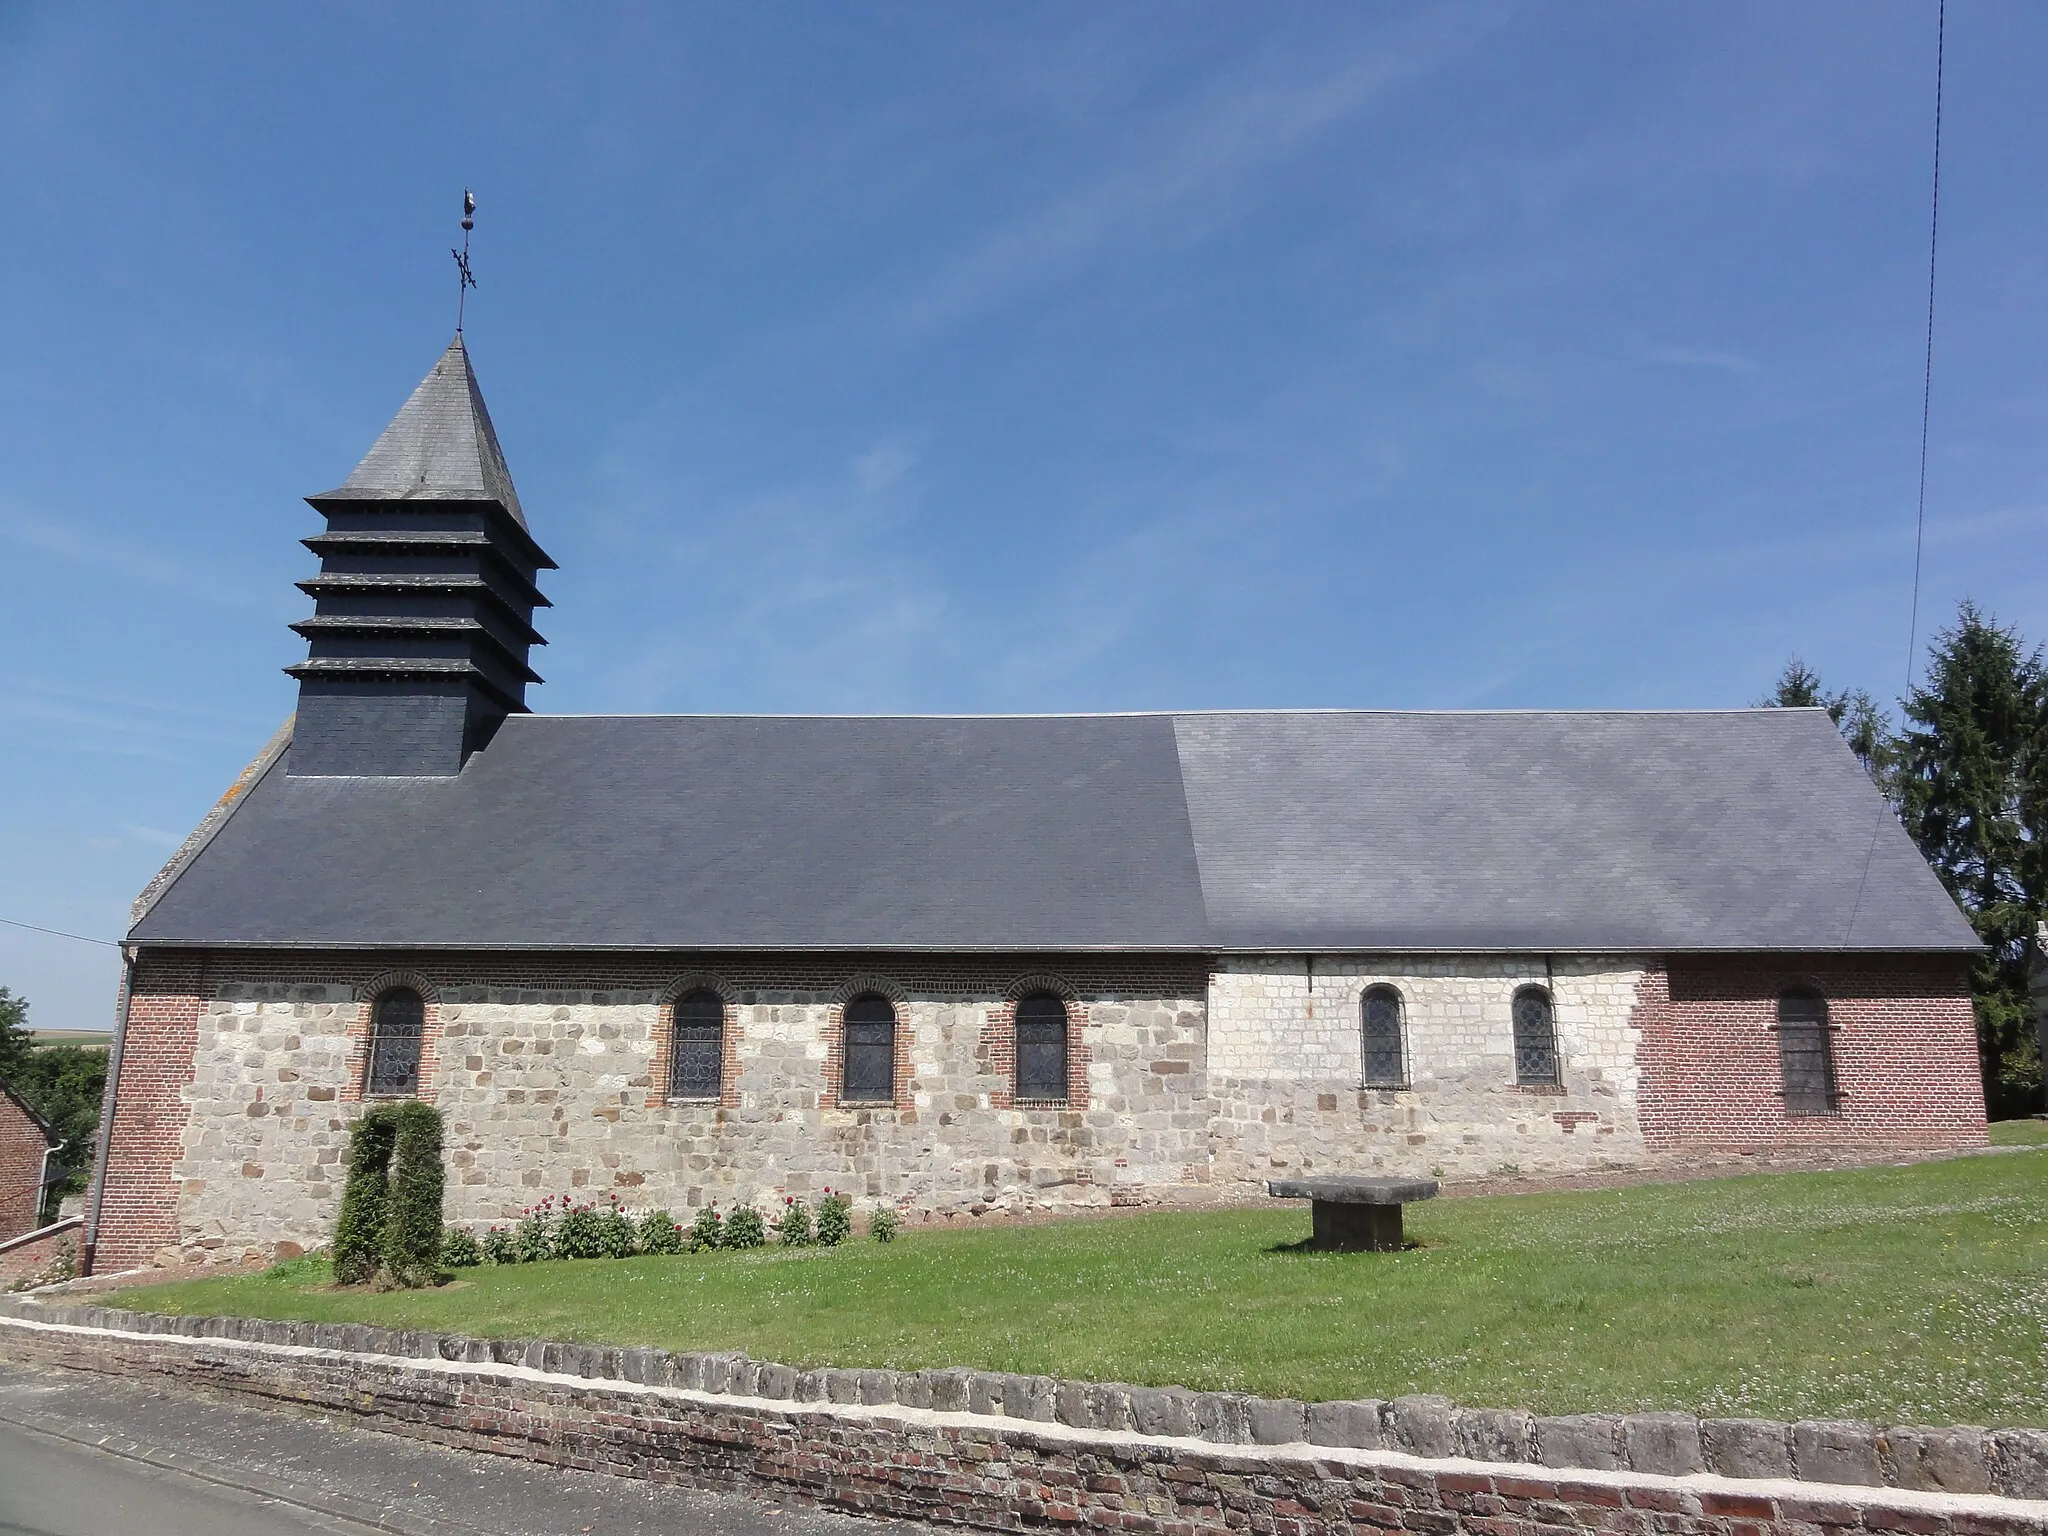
point(28, 1149)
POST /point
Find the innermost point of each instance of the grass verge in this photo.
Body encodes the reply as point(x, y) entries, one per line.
point(1909, 1294)
point(2019, 1133)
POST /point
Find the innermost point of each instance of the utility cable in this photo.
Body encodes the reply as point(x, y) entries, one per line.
point(57, 933)
point(1926, 416)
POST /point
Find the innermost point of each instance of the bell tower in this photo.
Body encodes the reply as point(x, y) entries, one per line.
point(423, 608)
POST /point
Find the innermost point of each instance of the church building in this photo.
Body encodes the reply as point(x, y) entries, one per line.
point(975, 963)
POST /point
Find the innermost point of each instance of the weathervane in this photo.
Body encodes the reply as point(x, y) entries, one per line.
point(464, 281)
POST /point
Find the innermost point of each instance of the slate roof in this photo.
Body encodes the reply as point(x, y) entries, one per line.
point(1531, 832)
point(440, 446)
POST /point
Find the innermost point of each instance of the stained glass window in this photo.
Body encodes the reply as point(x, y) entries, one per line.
point(1535, 1037)
point(870, 1044)
point(1384, 1066)
point(1806, 1054)
point(697, 1068)
point(396, 1025)
point(1041, 1048)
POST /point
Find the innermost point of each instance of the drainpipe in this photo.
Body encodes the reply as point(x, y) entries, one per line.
point(107, 1098)
point(43, 1186)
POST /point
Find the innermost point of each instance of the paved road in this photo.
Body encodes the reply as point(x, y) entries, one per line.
point(93, 1456)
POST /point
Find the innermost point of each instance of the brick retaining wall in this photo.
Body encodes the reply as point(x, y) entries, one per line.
point(40, 1255)
point(1040, 1452)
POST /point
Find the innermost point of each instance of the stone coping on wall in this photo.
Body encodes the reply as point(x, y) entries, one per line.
point(2010, 1463)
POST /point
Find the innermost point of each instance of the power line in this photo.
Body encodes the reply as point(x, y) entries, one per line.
point(1927, 370)
point(1926, 415)
point(58, 933)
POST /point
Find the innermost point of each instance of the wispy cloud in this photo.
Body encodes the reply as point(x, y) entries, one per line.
point(125, 559)
point(884, 464)
point(153, 835)
point(1193, 166)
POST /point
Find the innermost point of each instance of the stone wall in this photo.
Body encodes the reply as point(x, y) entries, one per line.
point(549, 1079)
point(1014, 1452)
point(1187, 1082)
point(1286, 1073)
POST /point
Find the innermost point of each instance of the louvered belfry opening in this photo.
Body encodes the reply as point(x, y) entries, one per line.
point(423, 607)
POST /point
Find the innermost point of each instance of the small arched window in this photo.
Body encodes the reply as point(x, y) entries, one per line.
point(397, 1022)
point(1805, 1053)
point(1385, 1066)
point(869, 1070)
point(1535, 1038)
point(1042, 1049)
point(697, 1062)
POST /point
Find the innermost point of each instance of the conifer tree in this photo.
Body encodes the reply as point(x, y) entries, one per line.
point(1855, 713)
point(1965, 776)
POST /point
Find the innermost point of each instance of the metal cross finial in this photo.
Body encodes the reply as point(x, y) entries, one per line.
point(464, 280)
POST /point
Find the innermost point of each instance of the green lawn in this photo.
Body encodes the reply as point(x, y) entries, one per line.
point(1911, 1294)
point(2019, 1133)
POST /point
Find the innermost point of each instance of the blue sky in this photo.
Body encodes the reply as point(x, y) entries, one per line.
point(975, 358)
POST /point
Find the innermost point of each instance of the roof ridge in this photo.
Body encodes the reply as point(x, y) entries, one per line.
point(1161, 714)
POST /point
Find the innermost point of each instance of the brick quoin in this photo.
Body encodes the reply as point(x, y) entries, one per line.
point(139, 1199)
point(1902, 1032)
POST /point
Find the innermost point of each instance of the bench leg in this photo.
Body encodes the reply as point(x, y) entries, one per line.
point(1356, 1228)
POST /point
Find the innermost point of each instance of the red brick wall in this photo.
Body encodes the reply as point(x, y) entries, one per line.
point(41, 1258)
point(22, 1144)
point(1904, 1041)
point(139, 1205)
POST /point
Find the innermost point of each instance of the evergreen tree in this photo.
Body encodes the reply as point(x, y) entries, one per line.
point(1963, 778)
point(1855, 713)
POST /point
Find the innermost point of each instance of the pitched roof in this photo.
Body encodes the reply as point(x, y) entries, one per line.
point(439, 447)
point(13, 1096)
point(1634, 832)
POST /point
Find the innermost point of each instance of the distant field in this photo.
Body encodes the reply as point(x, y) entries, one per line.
point(89, 1038)
point(1916, 1295)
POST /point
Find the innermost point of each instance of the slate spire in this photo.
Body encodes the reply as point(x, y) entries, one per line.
point(423, 608)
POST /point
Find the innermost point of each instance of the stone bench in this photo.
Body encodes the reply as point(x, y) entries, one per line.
point(1354, 1215)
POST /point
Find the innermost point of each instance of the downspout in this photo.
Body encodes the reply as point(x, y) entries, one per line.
point(108, 1096)
point(43, 1186)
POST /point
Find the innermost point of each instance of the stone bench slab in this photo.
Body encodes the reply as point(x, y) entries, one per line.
point(1354, 1191)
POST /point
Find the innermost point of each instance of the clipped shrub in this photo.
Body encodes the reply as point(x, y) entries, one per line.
point(500, 1247)
point(708, 1230)
point(795, 1227)
point(744, 1228)
point(882, 1224)
point(459, 1249)
point(660, 1234)
point(412, 1219)
point(616, 1238)
point(579, 1234)
point(835, 1219)
point(359, 1225)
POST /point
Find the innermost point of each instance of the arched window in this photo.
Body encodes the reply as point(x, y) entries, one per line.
point(396, 1024)
point(697, 1062)
point(1806, 1053)
point(1384, 1064)
point(1042, 1048)
point(869, 1071)
point(1535, 1038)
